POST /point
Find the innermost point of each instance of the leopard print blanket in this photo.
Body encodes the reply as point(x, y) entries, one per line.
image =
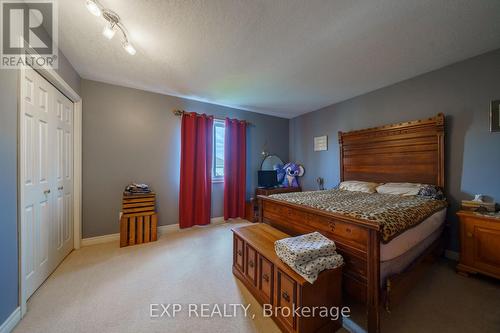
point(395, 214)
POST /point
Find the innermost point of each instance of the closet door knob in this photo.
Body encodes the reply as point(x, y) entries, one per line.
point(60, 188)
point(46, 192)
point(285, 296)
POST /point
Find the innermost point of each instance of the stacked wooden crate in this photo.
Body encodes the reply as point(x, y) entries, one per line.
point(138, 223)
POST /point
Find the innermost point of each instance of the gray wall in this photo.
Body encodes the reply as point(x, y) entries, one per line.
point(132, 135)
point(8, 182)
point(8, 194)
point(68, 73)
point(462, 91)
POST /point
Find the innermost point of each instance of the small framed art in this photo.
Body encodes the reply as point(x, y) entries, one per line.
point(320, 143)
point(495, 116)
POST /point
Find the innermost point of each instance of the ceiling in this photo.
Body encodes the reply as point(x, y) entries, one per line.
point(279, 57)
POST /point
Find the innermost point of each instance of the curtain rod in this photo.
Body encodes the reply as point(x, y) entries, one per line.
point(179, 113)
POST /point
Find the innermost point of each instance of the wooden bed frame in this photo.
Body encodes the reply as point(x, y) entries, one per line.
point(405, 152)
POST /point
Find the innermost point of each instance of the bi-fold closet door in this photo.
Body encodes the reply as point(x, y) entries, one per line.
point(46, 174)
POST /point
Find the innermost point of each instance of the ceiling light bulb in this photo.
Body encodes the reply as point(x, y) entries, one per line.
point(109, 31)
point(93, 7)
point(129, 48)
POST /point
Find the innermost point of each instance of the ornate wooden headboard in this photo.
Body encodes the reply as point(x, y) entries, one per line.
point(406, 152)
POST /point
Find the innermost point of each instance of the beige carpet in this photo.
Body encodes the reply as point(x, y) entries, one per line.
point(444, 302)
point(103, 288)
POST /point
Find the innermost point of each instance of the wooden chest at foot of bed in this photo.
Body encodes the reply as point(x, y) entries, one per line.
point(280, 289)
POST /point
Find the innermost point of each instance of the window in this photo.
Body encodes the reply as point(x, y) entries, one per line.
point(218, 164)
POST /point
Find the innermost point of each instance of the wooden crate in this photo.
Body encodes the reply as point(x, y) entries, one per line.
point(139, 220)
point(138, 229)
point(139, 204)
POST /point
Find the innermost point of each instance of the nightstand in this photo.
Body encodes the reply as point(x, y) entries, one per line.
point(479, 244)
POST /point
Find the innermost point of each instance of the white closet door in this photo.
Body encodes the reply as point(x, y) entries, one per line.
point(63, 175)
point(46, 214)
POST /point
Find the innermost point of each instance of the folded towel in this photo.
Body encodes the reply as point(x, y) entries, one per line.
point(134, 188)
point(302, 249)
point(309, 254)
point(311, 269)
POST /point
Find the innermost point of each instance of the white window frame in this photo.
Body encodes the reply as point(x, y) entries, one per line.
point(217, 123)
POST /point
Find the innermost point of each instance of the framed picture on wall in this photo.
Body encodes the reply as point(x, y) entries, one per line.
point(495, 116)
point(320, 143)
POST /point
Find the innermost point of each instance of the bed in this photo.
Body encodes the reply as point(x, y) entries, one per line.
point(379, 269)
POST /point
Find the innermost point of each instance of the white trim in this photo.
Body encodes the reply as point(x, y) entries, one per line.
point(217, 220)
point(77, 174)
point(452, 255)
point(56, 80)
point(20, 194)
point(11, 322)
point(168, 229)
point(162, 230)
point(100, 240)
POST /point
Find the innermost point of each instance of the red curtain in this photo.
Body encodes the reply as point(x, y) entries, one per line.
point(234, 169)
point(196, 170)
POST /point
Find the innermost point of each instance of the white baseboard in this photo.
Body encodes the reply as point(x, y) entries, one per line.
point(453, 255)
point(217, 220)
point(162, 230)
point(166, 229)
point(100, 239)
point(11, 322)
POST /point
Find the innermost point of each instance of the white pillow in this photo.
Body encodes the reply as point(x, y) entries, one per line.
point(359, 186)
point(399, 188)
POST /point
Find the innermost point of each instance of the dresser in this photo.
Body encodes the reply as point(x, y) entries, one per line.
point(276, 190)
point(252, 206)
point(275, 284)
point(479, 244)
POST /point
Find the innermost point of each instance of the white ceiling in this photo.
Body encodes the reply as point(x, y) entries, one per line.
point(280, 57)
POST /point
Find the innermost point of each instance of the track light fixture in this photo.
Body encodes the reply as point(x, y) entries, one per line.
point(129, 48)
point(93, 7)
point(109, 31)
point(112, 24)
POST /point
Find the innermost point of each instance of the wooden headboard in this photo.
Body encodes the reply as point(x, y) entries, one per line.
point(406, 152)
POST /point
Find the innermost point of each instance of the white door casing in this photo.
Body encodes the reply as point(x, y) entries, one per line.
point(46, 179)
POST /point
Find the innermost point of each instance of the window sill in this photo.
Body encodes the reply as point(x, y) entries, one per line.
point(217, 181)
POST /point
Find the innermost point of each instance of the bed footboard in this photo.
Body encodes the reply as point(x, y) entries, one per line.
point(357, 240)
